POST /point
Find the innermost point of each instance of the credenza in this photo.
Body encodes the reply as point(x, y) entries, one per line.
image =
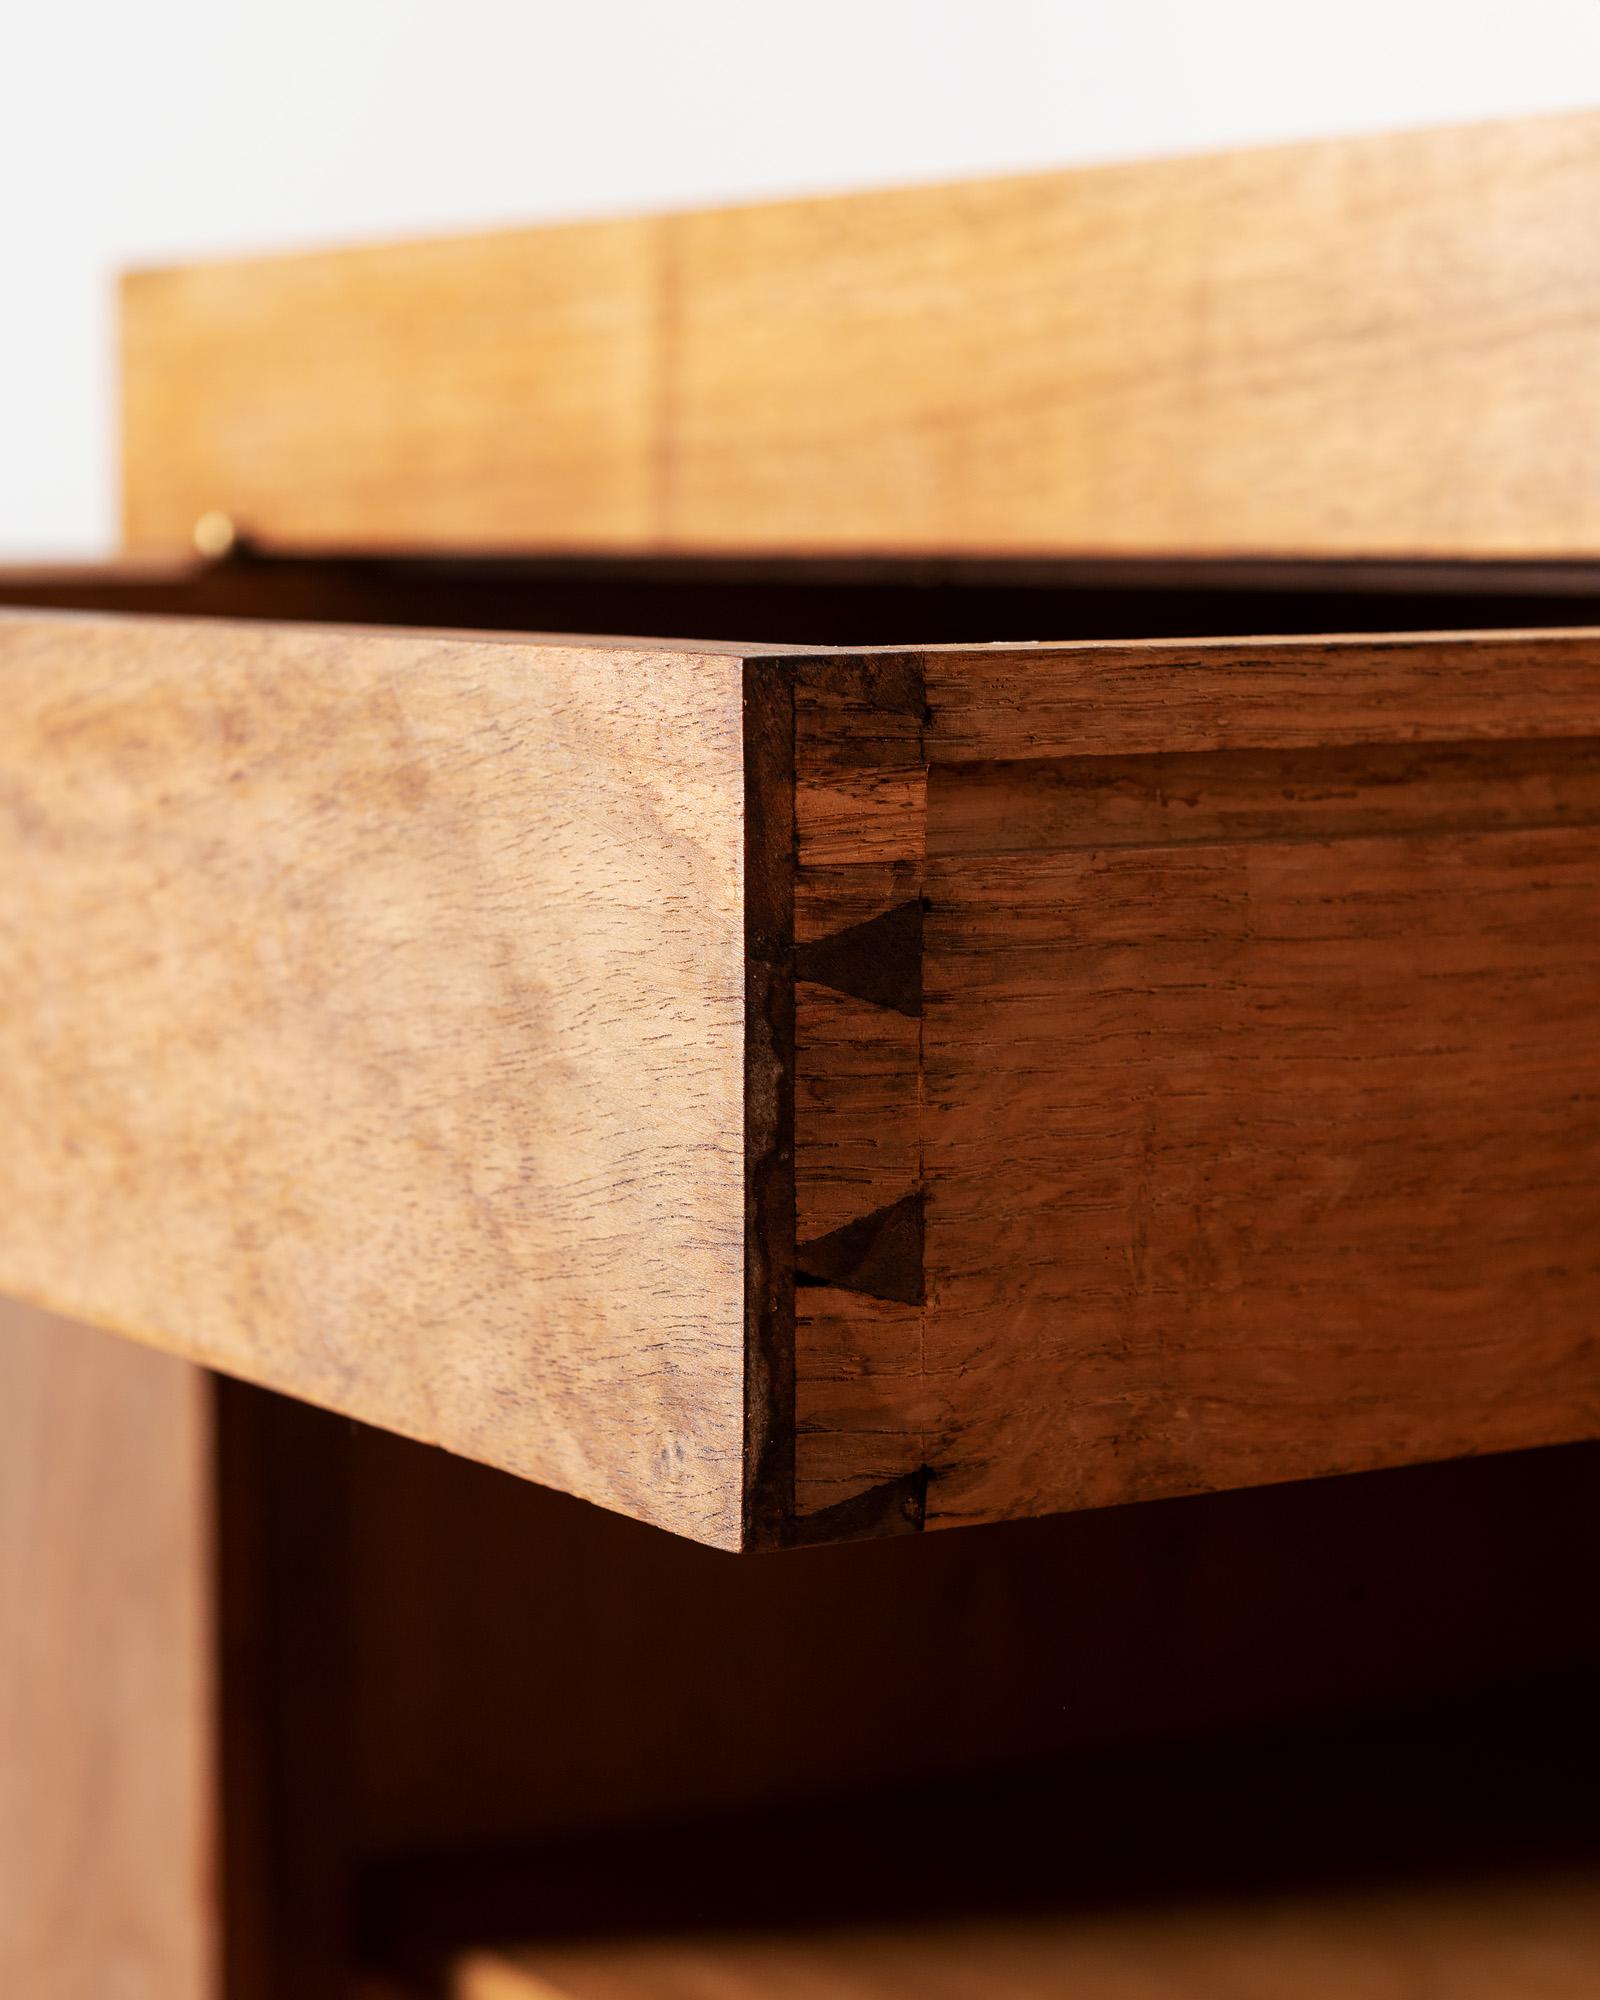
point(1053, 967)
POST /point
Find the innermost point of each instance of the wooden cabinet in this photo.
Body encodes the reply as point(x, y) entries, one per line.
point(1056, 968)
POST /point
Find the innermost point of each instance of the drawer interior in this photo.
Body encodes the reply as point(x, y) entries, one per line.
point(844, 603)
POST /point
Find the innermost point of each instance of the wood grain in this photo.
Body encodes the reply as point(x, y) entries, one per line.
point(444, 394)
point(793, 1097)
point(107, 1814)
point(1260, 1160)
point(1250, 1104)
point(374, 1029)
point(1165, 696)
point(861, 813)
point(1372, 344)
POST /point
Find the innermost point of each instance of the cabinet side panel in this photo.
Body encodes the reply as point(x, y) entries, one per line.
point(107, 1821)
point(374, 1030)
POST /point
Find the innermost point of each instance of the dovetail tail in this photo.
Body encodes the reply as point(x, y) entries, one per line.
point(880, 1254)
point(896, 1507)
point(879, 961)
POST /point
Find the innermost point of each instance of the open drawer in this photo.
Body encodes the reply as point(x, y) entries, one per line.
point(788, 1092)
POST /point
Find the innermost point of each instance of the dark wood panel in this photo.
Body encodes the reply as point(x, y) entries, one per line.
point(527, 1667)
point(1451, 1843)
point(1258, 1161)
point(1196, 1086)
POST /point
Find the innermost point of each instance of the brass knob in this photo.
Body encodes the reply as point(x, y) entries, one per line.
point(214, 535)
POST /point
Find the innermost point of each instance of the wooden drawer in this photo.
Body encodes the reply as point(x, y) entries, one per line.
point(787, 1095)
point(1006, 1042)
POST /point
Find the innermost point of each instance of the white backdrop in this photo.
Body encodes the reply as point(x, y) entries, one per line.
point(133, 133)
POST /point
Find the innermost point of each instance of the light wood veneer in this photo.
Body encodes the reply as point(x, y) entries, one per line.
point(1380, 345)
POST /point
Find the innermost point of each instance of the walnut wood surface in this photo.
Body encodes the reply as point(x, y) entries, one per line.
point(107, 1822)
point(1374, 344)
point(374, 1028)
point(1244, 1123)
